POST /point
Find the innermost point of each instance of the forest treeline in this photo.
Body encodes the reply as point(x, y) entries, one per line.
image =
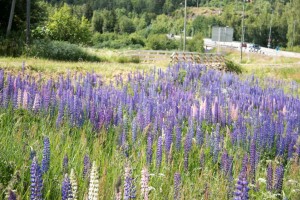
point(145, 23)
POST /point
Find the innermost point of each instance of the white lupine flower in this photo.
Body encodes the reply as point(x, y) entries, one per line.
point(74, 184)
point(94, 183)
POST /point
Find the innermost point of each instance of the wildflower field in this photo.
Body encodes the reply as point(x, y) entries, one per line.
point(186, 132)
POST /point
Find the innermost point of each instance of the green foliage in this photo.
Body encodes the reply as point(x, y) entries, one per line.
point(126, 25)
point(64, 26)
point(97, 21)
point(233, 67)
point(117, 41)
point(133, 59)
point(161, 42)
point(12, 46)
point(59, 50)
point(196, 43)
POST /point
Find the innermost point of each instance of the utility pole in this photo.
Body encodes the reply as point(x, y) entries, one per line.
point(184, 36)
point(28, 22)
point(269, 40)
point(242, 36)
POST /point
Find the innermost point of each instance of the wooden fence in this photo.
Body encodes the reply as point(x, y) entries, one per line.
point(151, 56)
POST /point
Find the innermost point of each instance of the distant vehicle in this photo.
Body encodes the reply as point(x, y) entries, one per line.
point(254, 48)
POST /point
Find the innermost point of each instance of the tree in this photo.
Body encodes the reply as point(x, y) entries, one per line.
point(66, 27)
point(13, 4)
point(97, 21)
point(126, 25)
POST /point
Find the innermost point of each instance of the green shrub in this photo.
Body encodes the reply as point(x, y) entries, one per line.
point(233, 67)
point(124, 59)
point(161, 42)
point(195, 44)
point(58, 50)
point(116, 41)
point(12, 46)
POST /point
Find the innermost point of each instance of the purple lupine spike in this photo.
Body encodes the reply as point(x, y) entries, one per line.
point(241, 188)
point(177, 185)
point(149, 149)
point(245, 163)
point(46, 155)
point(66, 189)
point(60, 114)
point(159, 152)
point(129, 188)
point(270, 177)
point(65, 163)
point(278, 180)
point(133, 130)
point(168, 142)
point(11, 195)
point(178, 136)
point(87, 166)
point(253, 160)
point(199, 135)
point(36, 181)
point(119, 114)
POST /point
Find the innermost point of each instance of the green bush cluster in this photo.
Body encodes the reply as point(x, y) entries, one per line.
point(233, 67)
point(59, 50)
point(161, 42)
point(116, 41)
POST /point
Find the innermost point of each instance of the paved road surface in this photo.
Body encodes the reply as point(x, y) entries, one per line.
point(236, 45)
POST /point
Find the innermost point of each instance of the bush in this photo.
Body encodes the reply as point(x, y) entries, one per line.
point(12, 46)
point(233, 67)
point(58, 50)
point(195, 44)
point(124, 59)
point(115, 41)
point(161, 42)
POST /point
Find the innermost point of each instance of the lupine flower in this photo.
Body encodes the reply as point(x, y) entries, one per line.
point(252, 160)
point(144, 184)
point(270, 177)
point(177, 186)
point(149, 149)
point(178, 136)
point(19, 98)
point(66, 189)
point(129, 188)
point(11, 195)
point(36, 181)
point(25, 99)
point(37, 102)
point(278, 181)
point(74, 185)
point(94, 183)
point(65, 163)
point(159, 152)
point(46, 155)
point(87, 166)
point(241, 188)
point(32, 153)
